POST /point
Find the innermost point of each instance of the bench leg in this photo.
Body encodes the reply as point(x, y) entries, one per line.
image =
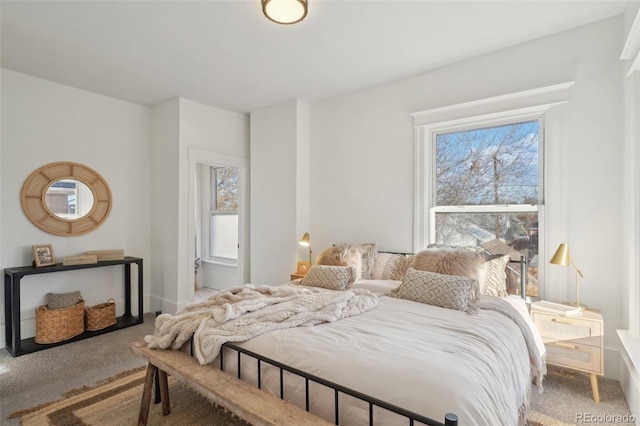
point(143, 415)
point(164, 392)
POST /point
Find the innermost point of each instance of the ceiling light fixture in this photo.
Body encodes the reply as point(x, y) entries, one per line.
point(285, 12)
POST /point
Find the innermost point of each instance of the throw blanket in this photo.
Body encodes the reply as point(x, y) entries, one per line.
point(537, 355)
point(242, 313)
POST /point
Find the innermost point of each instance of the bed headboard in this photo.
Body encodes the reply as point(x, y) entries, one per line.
point(517, 267)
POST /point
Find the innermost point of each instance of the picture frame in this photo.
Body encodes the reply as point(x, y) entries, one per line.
point(43, 255)
point(303, 267)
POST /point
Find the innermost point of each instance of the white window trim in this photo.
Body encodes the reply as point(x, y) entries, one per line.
point(510, 107)
point(198, 156)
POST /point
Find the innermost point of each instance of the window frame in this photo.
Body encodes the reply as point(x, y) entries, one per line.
point(209, 201)
point(475, 123)
point(551, 101)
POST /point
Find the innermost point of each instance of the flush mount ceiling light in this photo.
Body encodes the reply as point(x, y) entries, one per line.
point(285, 11)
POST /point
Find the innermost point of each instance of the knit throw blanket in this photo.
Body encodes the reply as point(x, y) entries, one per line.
point(242, 313)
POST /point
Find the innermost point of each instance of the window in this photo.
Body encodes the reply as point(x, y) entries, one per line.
point(486, 189)
point(223, 225)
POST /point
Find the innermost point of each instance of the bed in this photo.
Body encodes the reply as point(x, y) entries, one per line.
point(477, 362)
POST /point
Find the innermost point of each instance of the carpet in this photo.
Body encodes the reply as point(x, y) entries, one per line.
point(117, 404)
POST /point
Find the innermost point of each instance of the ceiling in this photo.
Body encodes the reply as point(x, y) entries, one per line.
point(227, 54)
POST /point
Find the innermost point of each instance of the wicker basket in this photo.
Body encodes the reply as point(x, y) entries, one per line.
point(56, 325)
point(100, 316)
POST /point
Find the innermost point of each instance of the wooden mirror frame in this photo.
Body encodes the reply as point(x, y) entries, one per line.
point(35, 207)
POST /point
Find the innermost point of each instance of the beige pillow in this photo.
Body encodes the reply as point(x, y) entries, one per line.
point(445, 291)
point(492, 276)
point(360, 256)
point(331, 277)
point(448, 261)
point(62, 300)
point(389, 266)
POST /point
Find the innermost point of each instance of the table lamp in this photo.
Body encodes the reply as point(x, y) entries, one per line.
point(561, 257)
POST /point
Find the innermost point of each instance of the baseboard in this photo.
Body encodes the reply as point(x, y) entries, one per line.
point(163, 305)
point(630, 371)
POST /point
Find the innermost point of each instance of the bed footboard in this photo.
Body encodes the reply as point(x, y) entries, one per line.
point(450, 419)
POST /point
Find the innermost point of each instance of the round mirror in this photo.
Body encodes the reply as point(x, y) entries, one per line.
point(66, 199)
point(69, 199)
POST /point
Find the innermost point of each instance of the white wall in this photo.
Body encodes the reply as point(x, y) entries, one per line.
point(362, 148)
point(44, 122)
point(179, 125)
point(164, 206)
point(279, 140)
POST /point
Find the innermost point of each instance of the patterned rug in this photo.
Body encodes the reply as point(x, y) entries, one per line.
point(117, 403)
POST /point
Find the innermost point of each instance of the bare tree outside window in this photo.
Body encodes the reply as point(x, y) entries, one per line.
point(487, 184)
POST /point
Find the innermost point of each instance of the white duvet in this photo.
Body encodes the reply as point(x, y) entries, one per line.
point(422, 358)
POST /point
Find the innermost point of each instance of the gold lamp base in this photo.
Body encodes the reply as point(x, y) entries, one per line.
point(577, 305)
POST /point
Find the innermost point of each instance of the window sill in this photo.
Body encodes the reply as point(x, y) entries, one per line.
point(229, 264)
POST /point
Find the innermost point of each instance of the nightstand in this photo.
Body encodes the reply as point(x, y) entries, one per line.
point(296, 276)
point(574, 342)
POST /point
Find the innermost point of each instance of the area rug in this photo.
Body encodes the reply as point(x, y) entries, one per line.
point(117, 404)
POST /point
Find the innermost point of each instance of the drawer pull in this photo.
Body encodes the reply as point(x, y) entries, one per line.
point(565, 345)
point(561, 322)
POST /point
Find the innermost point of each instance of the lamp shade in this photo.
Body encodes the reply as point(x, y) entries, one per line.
point(561, 256)
point(285, 11)
point(305, 240)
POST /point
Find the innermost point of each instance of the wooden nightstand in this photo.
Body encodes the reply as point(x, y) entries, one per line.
point(573, 342)
point(296, 276)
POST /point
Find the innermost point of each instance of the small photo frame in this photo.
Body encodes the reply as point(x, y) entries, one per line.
point(303, 267)
point(43, 255)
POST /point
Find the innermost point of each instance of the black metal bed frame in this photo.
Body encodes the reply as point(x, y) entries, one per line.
point(450, 419)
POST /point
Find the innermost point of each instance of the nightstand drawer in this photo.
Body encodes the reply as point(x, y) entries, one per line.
point(574, 355)
point(578, 330)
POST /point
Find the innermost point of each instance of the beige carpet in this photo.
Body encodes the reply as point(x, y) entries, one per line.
point(117, 404)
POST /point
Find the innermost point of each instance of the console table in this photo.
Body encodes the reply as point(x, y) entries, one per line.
point(12, 277)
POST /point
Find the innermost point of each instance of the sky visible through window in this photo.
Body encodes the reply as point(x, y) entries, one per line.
point(492, 165)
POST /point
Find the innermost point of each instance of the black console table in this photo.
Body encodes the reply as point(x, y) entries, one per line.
point(12, 277)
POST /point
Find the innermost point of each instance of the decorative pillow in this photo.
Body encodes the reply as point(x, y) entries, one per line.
point(369, 252)
point(62, 300)
point(449, 261)
point(445, 291)
point(331, 277)
point(389, 266)
point(360, 256)
point(492, 276)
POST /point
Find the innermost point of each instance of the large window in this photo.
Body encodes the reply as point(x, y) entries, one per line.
point(486, 189)
point(223, 225)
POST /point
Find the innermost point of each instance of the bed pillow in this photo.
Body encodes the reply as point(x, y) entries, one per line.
point(445, 291)
point(389, 266)
point(329, 276)
point(360, 256)
point(492, 276)
point(448, 261)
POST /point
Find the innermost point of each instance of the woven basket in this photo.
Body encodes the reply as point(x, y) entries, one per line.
point(100, 316)
point(56, 325)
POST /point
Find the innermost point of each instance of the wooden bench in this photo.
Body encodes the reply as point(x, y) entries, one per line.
point(251, 404)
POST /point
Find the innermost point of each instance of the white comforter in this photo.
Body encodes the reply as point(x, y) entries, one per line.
point(423, 358)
